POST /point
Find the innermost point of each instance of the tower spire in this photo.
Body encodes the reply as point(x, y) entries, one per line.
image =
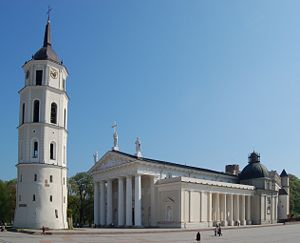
point(46, 52)
point(47, 36)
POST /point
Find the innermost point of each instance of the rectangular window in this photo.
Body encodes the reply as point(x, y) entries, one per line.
point(51, 179)
point(33, 197)
point(65, 117)
point(38, 77)
point(64, 84)
point(23, 113)
point(35, 177)
point(51, 151)
point(35, 149)
point(50, 198)
point(56, 213)
point(64, 155)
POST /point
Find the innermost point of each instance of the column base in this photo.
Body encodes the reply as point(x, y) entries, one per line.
point(224, 223)
point(209, 223)
point(215, 223)
point(243, 222)
point(249, 222)
point(230, 223)
point(237, 223)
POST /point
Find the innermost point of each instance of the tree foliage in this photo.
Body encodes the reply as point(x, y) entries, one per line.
point(294, 196)
point(7, 200)
point(81, 198)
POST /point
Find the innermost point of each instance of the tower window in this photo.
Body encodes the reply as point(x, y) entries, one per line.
point(64, 155)
point(27, 74)
point(56, 213)
point(35, 177)
point(52, 150)
point(38, 77)
point(23, 113)
point(33, 197)
point(64, 84)
point(51, 178)
point(21, 178)
point(50, 198)
point(36, 111)
point(65, 117)
point(35, 149)
point(53, 117)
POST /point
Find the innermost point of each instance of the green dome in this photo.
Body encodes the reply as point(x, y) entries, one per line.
point(254, 169)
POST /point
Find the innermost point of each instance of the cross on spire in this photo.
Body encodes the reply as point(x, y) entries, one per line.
point(48, 12)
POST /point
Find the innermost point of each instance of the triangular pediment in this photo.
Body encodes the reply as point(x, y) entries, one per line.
point(109, 160)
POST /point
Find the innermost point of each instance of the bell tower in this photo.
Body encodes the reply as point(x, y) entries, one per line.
point(41, 195)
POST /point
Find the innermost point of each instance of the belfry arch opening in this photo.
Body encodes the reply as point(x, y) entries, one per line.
point(53, 115)
point(36, 111)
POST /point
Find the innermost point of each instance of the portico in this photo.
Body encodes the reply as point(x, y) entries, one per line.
point(132, 191)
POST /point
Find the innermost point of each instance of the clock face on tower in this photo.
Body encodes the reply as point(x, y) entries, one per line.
point(53, 73)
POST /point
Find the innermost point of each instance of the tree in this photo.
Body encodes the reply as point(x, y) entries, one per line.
point(7, 200)
point(294, 195)
point(81, 198)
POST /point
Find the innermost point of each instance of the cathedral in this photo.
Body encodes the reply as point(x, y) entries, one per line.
point(129, 190)
point(134, 191)
point(41, 194)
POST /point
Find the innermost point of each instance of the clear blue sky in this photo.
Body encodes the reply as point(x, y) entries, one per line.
point(203, 83)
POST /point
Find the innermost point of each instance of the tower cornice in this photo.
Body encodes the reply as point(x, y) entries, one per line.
point(47, 87)
point(43, 124)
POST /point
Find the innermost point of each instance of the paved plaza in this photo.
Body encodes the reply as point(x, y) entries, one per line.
point(283, 233)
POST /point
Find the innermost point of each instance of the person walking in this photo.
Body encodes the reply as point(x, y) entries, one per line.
point(219, 230)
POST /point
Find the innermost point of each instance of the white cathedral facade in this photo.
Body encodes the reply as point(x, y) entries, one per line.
point(133, 191)
point(41, 194)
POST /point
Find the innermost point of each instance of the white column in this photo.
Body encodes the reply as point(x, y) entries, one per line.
point(248, 210)
point(262, 208)
point(276, 209)
point(231, 222)
point(190, 206)
point(102, 203)
point(209, 209)
point(121, 202)
point(224, 210)
point(96, 203)
point(129, 201)
point(236, 208)
point(217, 208)
point(138, 201)
point(273, 208)
point(214, 211)
point(201, 207)
point(153, 207)
point(243, 208)
point(109, 203)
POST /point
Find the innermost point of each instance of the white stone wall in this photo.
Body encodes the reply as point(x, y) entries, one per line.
point(41, 211)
